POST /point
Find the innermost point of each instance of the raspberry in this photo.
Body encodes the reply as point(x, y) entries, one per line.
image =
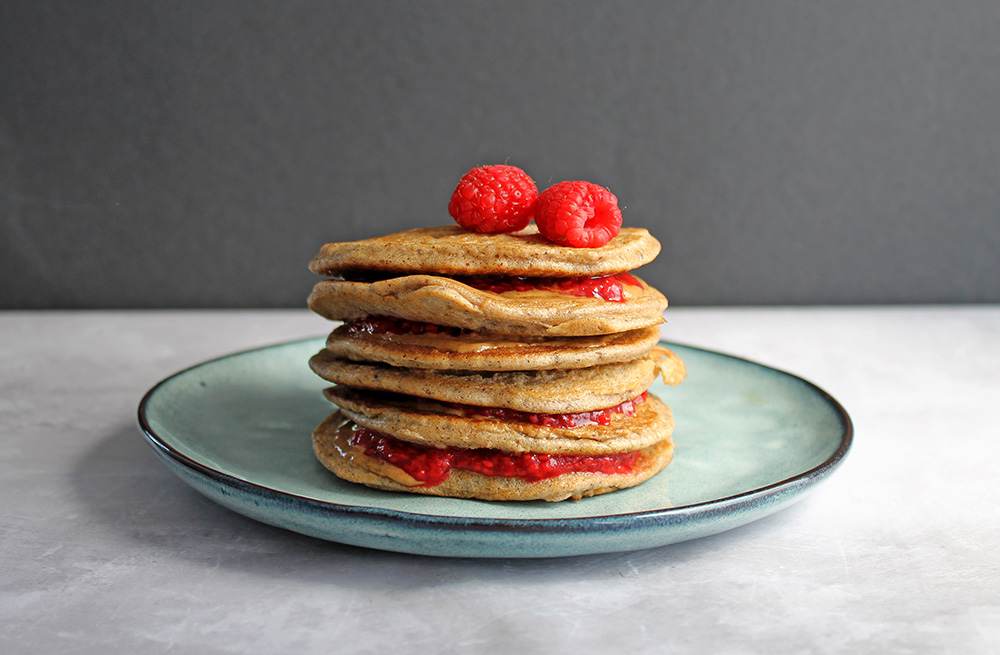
point(578, 214)
point(492, 199)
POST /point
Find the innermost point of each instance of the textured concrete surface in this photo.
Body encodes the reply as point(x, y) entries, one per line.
point(102, 549)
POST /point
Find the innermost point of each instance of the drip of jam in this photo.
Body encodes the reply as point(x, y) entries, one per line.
point(573, 420)
point(431, 466)
point(603, 287)
point(378, 324)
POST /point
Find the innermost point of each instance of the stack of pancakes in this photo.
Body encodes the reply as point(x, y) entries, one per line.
point(467, 367)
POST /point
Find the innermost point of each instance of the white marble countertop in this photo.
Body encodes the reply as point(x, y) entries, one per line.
point(102, 549)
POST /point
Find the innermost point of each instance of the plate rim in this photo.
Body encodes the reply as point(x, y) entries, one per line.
point(652, 518)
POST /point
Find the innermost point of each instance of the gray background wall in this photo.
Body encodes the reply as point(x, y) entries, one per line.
point(196, 154)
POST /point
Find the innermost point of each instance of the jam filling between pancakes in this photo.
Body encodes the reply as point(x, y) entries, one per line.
point(569, 420)
point(379, 324)
point(431, 466)
point(603, 287)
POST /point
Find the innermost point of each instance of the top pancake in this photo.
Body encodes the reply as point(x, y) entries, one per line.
point(451, 250)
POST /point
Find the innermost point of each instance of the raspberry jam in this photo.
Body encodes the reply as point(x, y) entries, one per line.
point(603, 287)
point(377, 324)
point(431, 466)
point(595, 417)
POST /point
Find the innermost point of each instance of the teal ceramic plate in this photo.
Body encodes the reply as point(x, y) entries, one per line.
point(750, 441)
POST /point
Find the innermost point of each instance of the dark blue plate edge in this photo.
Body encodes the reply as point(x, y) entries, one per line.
point(652, 518)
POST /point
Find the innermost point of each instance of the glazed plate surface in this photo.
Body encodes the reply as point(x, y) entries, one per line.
point(750, 440)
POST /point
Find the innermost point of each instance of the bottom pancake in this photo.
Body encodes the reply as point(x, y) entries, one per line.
point(348, 451)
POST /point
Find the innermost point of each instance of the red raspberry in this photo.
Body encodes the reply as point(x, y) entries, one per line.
point(492, 199)
point(578, 214)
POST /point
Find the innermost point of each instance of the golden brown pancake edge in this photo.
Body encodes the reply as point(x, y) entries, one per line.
point(553, 391)
point(476, 351)
point(443, 301)
point(435, 424)
point(451, 250)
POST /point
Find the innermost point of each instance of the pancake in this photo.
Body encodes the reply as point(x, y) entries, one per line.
point(333, 449)
point(552, 391)
point(475, 351)
point(437, 424)
point(451, 250)
point(492, 366)
point(444, 301)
